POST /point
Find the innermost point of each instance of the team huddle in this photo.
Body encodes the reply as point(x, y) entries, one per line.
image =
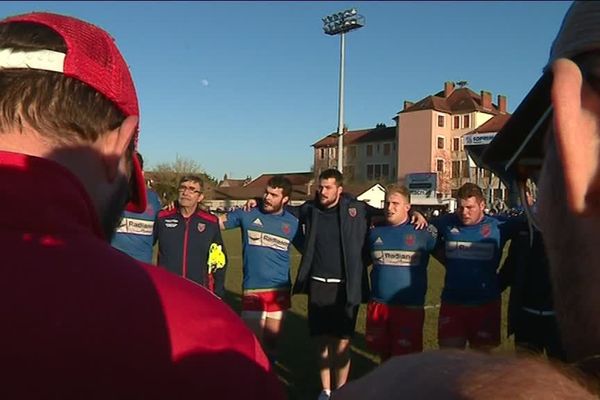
point(83, 320)
point(339, 237)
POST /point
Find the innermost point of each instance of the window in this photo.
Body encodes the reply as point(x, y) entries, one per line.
point(349, 172)
point(466, 121)
point(440, 166)
point(378, 171)
point(387, 149)
point(486, 173)
point(456, 124)
point(369, 150)
point(441, 121)
point(351, 152)
point(332, 152)
point(465, 169)
point(370, 172)
point(440, 142)
point(455, 169)
point(321, 153)
point(456, 144)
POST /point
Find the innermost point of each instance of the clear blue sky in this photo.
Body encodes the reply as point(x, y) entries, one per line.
point(245, 88)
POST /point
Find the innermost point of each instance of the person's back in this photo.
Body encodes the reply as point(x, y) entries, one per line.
point(107, 326)
point(80, 319)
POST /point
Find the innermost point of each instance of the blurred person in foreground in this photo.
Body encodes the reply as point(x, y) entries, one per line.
point(553, 141)
point(80, 318)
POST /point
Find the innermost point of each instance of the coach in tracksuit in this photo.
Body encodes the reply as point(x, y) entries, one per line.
point(185, 235)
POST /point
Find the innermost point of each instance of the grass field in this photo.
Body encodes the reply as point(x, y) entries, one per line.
point(297, 365)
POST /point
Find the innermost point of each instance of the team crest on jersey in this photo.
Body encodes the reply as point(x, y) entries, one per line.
point(201, 227)
point(486, 230)
point(410, 239)
point(352, 212)
point(285, 228)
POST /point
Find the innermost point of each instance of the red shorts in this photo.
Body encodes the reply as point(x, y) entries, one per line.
point(266, 300)
point(394, 330)
point(479, 324)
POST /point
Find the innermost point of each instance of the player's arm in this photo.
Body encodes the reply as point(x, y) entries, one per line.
point(232, 219)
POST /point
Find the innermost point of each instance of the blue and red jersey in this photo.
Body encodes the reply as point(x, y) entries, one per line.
point(471, 255)
point(400, 255)
point(134, 234)
point(266, 240)
point(184, 243)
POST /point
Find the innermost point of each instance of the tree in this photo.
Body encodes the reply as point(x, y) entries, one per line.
point(166, 176)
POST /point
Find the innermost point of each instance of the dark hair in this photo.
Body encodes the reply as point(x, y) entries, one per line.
point(192, 178)
point(280, 181)
point(470, 190)
point(60, 108)
point(333, 173)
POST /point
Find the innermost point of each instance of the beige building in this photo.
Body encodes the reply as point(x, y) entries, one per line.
point(430, 134)
point(369, 154)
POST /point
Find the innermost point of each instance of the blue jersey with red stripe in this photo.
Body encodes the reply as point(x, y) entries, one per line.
point(134, 234)
point(400, 255)
point(266, 240)
point(472, 254)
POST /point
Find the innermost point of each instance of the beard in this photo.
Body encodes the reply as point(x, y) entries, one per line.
point(111, 215)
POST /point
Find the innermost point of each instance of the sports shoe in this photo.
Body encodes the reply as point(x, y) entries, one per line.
point(324, 395)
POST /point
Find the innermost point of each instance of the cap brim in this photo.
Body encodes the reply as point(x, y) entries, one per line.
point(510, 138)
point(137, 201)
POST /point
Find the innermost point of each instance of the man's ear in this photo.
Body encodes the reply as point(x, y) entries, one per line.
point(200, 198)
point(285, 200)
point(114, 145)
point(577, 134)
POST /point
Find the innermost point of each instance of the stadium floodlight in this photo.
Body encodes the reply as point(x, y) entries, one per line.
point(339, 24)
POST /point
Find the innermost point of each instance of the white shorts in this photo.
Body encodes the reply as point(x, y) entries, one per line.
point(262, 315)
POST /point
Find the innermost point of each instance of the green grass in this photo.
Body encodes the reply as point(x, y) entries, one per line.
point(297, 365)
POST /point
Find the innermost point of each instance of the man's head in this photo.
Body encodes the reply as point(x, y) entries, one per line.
point(67, 95)
point(397, 204)
point(331, 182)
point(277, 194)
point(471, 204)
point(190, 191)
point(553, 139)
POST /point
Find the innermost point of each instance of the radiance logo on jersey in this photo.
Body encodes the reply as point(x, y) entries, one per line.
point(136, 226)
point(396, 258)
point(470, 250)
point(262, 239)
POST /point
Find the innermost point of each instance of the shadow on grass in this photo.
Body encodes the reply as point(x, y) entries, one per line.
point(297, 365)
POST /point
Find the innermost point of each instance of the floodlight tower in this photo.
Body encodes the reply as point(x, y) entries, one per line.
point(334, 24)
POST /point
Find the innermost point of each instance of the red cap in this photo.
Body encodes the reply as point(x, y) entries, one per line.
point(94, 59)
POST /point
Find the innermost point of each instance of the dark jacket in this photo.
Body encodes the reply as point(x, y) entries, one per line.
point(355, 219)
point(183, 245)
point(526, 271)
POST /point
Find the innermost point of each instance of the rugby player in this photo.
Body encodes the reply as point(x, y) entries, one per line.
point(267, 234)
point(134, 235)
point(470, 248)
point(400, 254)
